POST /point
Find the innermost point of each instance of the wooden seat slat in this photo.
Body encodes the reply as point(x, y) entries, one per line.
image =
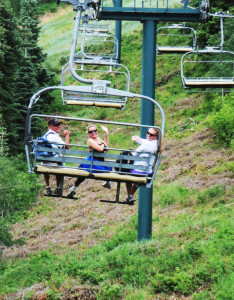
point(102, 176)
point(94, 103)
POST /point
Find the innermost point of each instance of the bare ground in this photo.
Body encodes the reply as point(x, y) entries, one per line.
point(68, 223)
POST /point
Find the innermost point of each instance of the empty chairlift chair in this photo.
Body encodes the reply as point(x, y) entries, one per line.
point(94, 26)
point(97, 43)
point(176, 38)
point(99, 71)
point(208, 68)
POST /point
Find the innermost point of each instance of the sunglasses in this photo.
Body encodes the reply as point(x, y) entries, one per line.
point(92, 131)
point(57, 125)
point(150, 134)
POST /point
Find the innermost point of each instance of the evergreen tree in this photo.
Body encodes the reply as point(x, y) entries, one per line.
point(10, 56)
point(31, 75)
point(205, 32)
point(22, 67)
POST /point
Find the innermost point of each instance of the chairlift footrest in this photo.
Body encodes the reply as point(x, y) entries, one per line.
point(56, 196)
point(118, 202)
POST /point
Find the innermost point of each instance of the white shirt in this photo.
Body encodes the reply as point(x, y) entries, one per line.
point(145, 146)
point(55, 140)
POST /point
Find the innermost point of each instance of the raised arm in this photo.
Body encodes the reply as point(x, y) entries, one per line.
point(67, 138)
point(106, 131)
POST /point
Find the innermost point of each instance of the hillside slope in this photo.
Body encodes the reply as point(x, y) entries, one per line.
point(85, 249)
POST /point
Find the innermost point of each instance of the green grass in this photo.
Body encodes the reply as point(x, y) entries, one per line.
point(190, 254)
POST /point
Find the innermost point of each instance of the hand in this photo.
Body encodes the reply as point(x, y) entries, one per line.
point(135, 138)
point(104, 129)
point(67, 132)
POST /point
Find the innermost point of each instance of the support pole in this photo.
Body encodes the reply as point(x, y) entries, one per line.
point(147, 118)
point(118, 32)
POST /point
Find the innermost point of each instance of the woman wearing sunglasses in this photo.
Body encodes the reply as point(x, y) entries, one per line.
point(148, 145)
point(95, 144)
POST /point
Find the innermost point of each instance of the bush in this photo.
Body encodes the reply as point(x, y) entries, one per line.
point(17, 193)
point(18, 188)
point(5, 236)
point(172, 194)
point(210, 194)
point(222, 120)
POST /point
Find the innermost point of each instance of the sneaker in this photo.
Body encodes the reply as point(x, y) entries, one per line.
point(107, 184)
point(130, 199)
point(48, 191)
point(72, 191)
point(58, 192)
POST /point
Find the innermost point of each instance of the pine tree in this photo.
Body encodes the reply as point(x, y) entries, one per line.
point(31, 75)
point(10, 56)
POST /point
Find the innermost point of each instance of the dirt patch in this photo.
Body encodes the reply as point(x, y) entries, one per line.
point(191, 162)
point(72, 222)
point(52, 15)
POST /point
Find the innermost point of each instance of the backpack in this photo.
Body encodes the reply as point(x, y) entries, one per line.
point(43, 142)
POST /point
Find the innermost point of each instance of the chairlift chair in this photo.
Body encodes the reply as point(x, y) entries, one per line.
point(97, 70)
point(212, 67)
point(95, 43)
point(184, 37)
point(73, 157)
point(94, 26)
point(208, 68)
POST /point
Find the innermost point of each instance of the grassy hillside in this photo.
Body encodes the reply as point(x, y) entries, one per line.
point(86, 249)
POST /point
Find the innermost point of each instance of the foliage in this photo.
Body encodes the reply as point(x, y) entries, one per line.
point(10, 55)
point(221, 120)
point(17, 190)
point(22, 68)
point(171, 194)
point(17, 187)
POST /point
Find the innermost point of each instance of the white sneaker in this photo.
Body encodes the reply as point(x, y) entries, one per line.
point(107, 184)
point(72, 191)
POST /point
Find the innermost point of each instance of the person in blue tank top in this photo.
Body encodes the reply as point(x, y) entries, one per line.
point(95, 144)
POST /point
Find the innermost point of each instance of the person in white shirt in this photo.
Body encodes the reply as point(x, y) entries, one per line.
point(56, 142)
point(149, 145)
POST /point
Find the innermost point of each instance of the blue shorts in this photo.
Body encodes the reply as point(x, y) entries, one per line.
point(95, 169)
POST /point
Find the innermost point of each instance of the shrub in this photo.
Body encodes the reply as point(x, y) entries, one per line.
point(18, 189)
point(222, 120)
point(209, 194)
point(172, 194)
point(17, 193)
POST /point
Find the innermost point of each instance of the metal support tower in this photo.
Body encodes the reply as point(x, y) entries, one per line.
point(118, 31)
point(147, 118)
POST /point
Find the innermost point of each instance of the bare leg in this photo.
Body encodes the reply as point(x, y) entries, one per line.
point(134, 189)
point(58, 180)
point(47, 179)
point(129, 188)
